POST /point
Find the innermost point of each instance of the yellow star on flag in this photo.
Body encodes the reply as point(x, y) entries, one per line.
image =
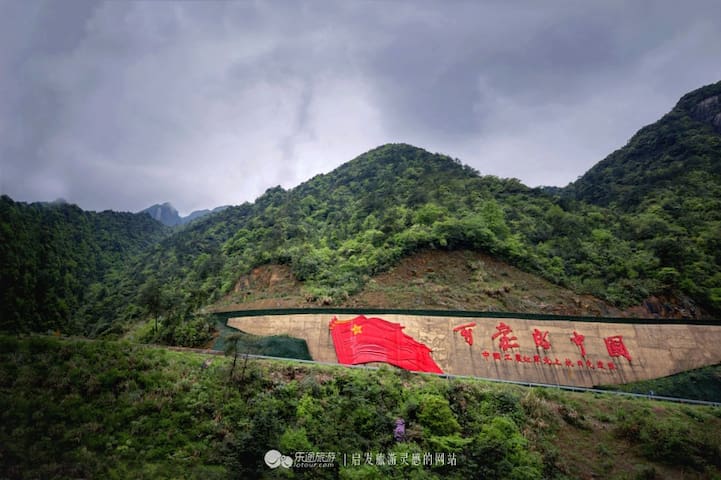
point(356, 329)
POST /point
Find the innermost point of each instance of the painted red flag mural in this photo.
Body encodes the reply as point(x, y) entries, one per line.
point(363, 340)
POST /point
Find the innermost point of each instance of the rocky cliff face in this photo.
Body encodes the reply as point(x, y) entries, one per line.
point(165, 214)
point(168, 215)
point(708, 110)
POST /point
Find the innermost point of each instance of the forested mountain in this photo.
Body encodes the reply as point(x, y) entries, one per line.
point(679, 155)
point(667, 182)
point(53, 255)
point(337, 230)
point(643, 222)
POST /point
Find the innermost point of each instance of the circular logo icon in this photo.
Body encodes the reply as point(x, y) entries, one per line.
point(275, 459)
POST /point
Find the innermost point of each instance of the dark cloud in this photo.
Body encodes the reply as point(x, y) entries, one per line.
point(120, 105)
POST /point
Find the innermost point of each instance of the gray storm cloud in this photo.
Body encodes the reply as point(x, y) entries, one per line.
point(120, 105)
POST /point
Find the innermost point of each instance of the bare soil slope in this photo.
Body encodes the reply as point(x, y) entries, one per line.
point(465, 280)
point(436, 279)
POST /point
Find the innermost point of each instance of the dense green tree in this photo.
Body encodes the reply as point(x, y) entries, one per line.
point(55, 257)
point(666, 185)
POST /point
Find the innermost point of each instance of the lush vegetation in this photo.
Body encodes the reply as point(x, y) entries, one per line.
point(337, 230)
point(666, 182)
point(54, 257)
point(700, 384)
point(105, 409)
point(645, 221)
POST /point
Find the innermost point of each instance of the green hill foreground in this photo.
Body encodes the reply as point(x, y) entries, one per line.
point(105, 409)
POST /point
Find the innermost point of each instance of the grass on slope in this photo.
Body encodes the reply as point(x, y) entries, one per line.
point(82, 409)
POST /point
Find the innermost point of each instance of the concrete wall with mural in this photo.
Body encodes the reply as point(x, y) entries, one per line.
point(580, 353)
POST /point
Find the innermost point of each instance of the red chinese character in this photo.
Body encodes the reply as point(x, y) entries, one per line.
point(616, 348)
point(536, 359)
point(611, 366)
point(578, 339)
point(519, 358)
point(486, 354)
point(599, 364)
point(569, 363)
point(496, 356)
point(504, 343)
point(466, 332)
point(507, 356)
point(541, 339)
point(589, 364)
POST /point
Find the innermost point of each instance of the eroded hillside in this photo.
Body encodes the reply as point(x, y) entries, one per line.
point(443, 280)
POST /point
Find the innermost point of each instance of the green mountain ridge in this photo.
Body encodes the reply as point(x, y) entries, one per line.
point(667, 179)
point(667, 155)
point(603, 235)
point(53, 256)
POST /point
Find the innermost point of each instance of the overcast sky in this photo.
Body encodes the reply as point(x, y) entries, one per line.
point(120, 105)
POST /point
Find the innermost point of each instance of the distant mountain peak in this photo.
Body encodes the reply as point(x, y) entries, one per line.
point(166, 214)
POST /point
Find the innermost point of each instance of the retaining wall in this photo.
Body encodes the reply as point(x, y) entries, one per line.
point(536, 349)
